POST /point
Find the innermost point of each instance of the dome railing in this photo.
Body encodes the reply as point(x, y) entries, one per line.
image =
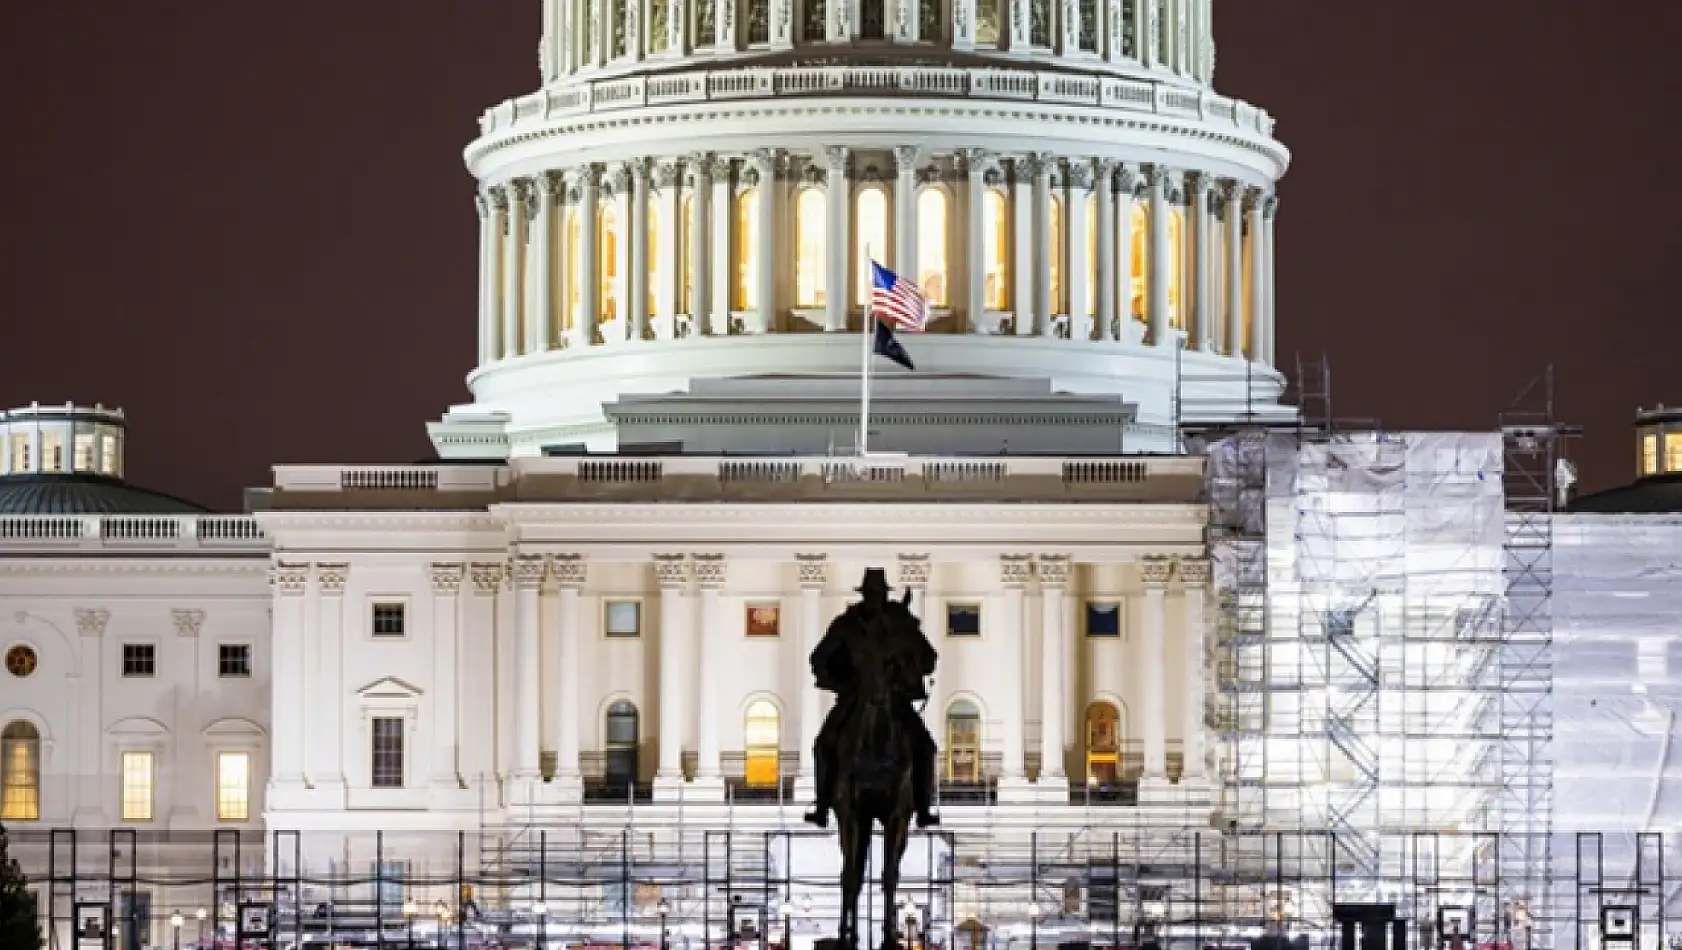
point(985, 83)
point(174, 532)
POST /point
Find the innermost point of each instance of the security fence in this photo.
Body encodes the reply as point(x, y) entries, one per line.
point(963, 889)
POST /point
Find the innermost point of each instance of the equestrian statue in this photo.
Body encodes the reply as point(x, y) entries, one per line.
point(874, 759)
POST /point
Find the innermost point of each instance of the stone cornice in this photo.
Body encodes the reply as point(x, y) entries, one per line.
point(840, 513)
point(57, 564)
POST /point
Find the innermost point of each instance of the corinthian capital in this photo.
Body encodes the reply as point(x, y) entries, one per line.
point(1054, 570)
point(1193, 571)
point(836, 157)
point(709, 571)
point(671, 570)
point(905, 158)
point(332, 578)
point(290, 580)
point(665, 174)
point(914, 571)
point(814, 570)
point(529, 571)
point(1155, 570)
point(1015, 570)
point(487, 578)
point(446, 578)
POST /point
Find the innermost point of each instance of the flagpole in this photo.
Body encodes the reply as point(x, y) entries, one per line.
point(866, 338)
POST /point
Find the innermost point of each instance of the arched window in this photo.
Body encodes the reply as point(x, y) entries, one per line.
point(20, 772)
point(931, 245)
point(747, 249)
point(1176, 268)
point(1091, 254)
point(995, 249)
point(810, 249)
point(1056, 241)
point(1141, 277)
point(651, 256)
point(870, 230)
point(1103, 743)
point(607, 262)
point(619, 752)
point(686, 286)
point(963, 743)
point(762, 745)
point(573, 271)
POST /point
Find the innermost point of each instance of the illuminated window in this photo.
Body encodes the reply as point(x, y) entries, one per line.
point(1649, 454)
point(1039, 22)
point(963, 743)
point(1091, 254)
point(988, 15)
point(137, 786)
point(1139, 280)
point(931, 245)
point(620, 750)
point(1248, 276)
point(706, 12)
point(607, 262)
point(759, 21)
point(110, 462)
point(762, 739)
point(20, 453)
point(1176, 268)
point(1103, 743)
point(870, 231)
point(651, 255)
point(1055, 242)
point(995, 249)
point(20, 772)
point(82, 458)
point(657, 26)
point(573, 271)
point(52, 452)
point(233, 786)
point(1673, 451)
point(811, 248)
point(684, 223)
point(747, 247)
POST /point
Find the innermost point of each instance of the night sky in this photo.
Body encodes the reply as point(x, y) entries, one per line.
point(248, 224)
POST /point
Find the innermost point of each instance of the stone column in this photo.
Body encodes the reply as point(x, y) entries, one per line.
point(669, 270)
point(1078, 280)
point(539, 310)
point(570, 573)
point(620, 183)
point(490, 229)
point(814, 575)
point(1054, 578)
point(1106, 310)
point(1127, 184)
point(513, 267)
point(961, 21)
point(1155, 572)
point(1264, 334)
point(677, 28)
point(1234, 268)
point(1017, 26)
point(724, 24)
point(709, 580)
point(1161, 186)
point(478, 750)
point(1014, 572)
point(699, 303)
point(1203, 291)
point(672, 573)
point(1044, 306)
point(765, 276)
point(839, 278)
point(326, 696)
point(89, 798)
point(723, 260)
point(782, 24)
point(905, 211)
point(446, 608)
point(1254, 206)
point(291, 582)
point(1194, 581)
point(636, 242)
point(1027, 245)
point(913, 574)
point(975, 249)
point(589, 265)
point(528, 710)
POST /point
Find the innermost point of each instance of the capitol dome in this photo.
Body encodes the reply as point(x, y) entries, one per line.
point(694, 195)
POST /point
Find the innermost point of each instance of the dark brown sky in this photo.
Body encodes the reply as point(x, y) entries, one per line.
point(248, 223)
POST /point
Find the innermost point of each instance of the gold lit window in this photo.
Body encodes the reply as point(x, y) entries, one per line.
point(871, 232)
point(762, 741)
point(1091, 254)
point(1139, 292)
point(83, 459)
point(1649, 454)
point(20, 772)
point(931, 245)
point(137, 786)
point(1673, 451)
point(233, 786)
point(811, 249)
point(109, 464)
point(747, 249)
point(684, 225)
point(573, 272)
point(651, 256)
point(963, 743)
point(995, 249)
point(1103, 743)
point(607, 262)
point(1056, 240)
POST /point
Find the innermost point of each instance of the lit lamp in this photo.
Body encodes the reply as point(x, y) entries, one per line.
point(175, 923)
point(541, 911)
point(410, 909)
point(788, 919)
point(201, 914)
point(1034, 925)
point(664, 909)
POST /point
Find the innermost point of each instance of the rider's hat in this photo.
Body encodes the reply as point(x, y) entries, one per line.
point(875, 581)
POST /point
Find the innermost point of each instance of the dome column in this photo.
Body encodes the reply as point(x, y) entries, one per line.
point(1024, 260)
point(513, 269)
point(1079, 258)
point(723, 210)
point(1234, 268)
point(975, 249)
point(1202, 276)
point(905, 213)
point(619, 185)
point(1106, 252)
point(637, 268)
point(490, 226)
point(1264, 348)
point(1127, 186)
point(700, 291)
point(1258, 270)
point(589, 264)
point(836, 194)
point(765, 275)
point(666, 250)
point(1161, 185)
point(543, 268)
point(1039, 167)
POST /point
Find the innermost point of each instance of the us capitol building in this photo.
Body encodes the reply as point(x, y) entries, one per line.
point(593, 612)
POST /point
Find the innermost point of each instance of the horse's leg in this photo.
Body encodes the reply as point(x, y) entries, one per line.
point(852, 870)
point(894, 831)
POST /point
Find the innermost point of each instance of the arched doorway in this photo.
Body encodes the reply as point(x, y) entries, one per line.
point(620, 750)
point(963, 743)
point(1103, 743)
point(762, 745)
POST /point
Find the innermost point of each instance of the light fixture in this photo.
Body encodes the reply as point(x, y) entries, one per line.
point(788, 909)
point(664, 907)
point(1033, 910)
point(409, 909)
point(539, 909)
point(176, 921)
point(201, 913)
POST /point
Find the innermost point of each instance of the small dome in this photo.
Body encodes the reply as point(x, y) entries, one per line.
point(1657, 488)
point(68, 460)
point(85, 495)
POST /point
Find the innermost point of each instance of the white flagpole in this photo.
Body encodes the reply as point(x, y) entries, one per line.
point(867, 340)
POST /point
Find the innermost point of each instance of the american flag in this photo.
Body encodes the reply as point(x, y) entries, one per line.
point(897, 300)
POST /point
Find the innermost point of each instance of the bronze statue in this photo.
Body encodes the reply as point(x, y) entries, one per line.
point(874, 759)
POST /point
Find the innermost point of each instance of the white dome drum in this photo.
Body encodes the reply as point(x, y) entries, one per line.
point(698, 188)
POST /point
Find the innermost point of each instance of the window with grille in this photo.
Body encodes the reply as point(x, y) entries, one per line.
point(963, 620)
point(1103, 618)
point(137, 786)
point(388, 752)
point(233, 786)
point(388, 620)
point(140, 659)
point(20, 772)
point(233, 660)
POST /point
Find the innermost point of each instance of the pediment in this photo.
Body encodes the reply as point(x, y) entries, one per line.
point(233, 726)
point(138, 727)
point(388, 688)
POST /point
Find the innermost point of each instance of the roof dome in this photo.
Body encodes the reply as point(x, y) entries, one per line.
point(68, 460)
point(85, 495)
point(699, 188)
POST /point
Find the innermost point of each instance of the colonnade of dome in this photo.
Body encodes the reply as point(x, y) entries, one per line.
point(778, 241)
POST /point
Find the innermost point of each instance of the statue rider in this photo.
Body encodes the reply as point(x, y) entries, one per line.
point(878, 623)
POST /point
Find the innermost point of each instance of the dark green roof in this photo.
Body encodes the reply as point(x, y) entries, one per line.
point(1653, 495)
point(85, 495)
